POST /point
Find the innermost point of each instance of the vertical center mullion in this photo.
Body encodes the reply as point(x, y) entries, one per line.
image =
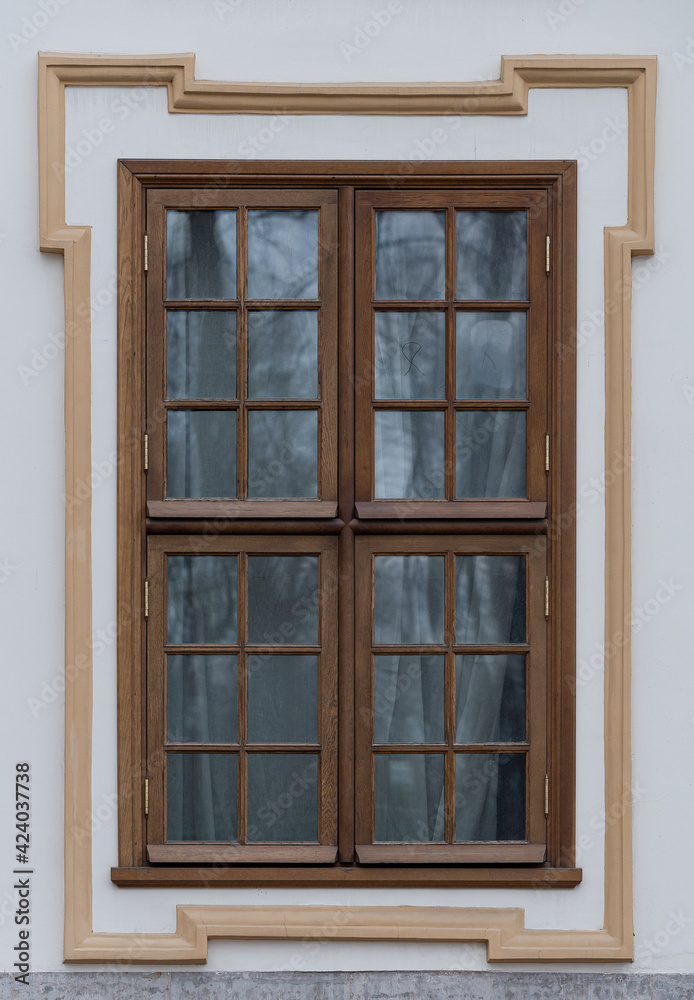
point(449, 704)
point(242, 696)
point(450, 352)
point(242, 357)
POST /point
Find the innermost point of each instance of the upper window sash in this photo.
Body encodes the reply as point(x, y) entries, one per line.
point(242, 353)
point(451, 354)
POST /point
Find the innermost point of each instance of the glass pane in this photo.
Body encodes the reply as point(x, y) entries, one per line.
point(200, 255)
point(201, 796)
point(283, 600)
point(490, 599)
point(408, 699)
point(283, 453)
point(489, 699)
point(490, 355)
point(490, 796)
point(201, 453)
point(409, 803)
point(201, 599)
point(283, 254)
point(282, 797)
point(492, 255)
point(200, 354)
point(410, 454)
point(490, 454)
point(283, 354)
point(283, 699)
point(410, 255)
point(408, 599)
point(201, 699)
point(409, 355)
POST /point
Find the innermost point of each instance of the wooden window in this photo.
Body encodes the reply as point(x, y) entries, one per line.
point(346, 552)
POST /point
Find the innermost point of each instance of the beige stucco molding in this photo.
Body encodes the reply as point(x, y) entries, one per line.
point(502, 929)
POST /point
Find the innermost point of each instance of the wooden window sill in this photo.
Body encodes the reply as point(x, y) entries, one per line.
point(316, 854)
point(334, 877)
point(536, 509)
point(241, 508)
point(417, 854)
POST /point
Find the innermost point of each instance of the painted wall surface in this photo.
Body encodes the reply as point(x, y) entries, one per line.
point(312, 41)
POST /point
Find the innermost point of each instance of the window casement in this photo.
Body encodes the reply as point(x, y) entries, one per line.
point(346, 555)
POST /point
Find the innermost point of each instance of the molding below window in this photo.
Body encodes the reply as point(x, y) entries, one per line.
point(503, 929)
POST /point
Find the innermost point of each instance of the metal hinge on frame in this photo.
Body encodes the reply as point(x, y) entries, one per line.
point(146, 796)
point(548, 243)
point(546, 452)
point(146, 452)
point(146, 598)
point(546, 597)
point(546, 795)
point(146, 253)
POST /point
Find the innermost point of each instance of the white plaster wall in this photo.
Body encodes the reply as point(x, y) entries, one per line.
point(304, 40)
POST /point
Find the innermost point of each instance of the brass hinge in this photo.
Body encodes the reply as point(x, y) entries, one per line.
point(146, 253)
point(146, 796)
point(546, 795)
point(146, 452)
point(546, 597)
point(546, 452)
point(146, 598)
point(548, 242)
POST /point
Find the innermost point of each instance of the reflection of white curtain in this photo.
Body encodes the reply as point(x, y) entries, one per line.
point(409, 609)
point(409, 603)
point(490, 608)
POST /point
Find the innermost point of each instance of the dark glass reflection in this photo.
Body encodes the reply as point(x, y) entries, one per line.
point(200, 254)
point(200, 354)
point(409, 454)
point(490, 599)
point(283, 699)
point(408, 599)
point(408, 699)
point(410, 254)
point(409, 797)
point(282, 797)
point(490, 355)
point(201, 454)
point(490, 699)
point(492, 254)
point(283, 600)
point(201, 699)
point(283, 453)
point(410, 355)
point(490, 454)
point(283, 254)
point(283, 354)
point(490, 796)
point(201, 796)
point(201, 598)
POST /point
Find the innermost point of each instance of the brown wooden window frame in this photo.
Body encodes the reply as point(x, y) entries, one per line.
point(346, 522)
